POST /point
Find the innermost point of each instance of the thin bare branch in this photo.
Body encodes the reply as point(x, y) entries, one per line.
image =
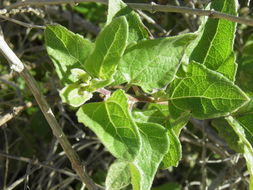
point(49, 2)
point(142, 6)
point(37, 163)
point(27, 25)
point(199, 12)
point(18, 66)
point(13, 112)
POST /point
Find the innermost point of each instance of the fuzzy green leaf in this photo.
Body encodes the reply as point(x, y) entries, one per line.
point(67, 50)
point(112, 123)
point(118, 176)
point(152, 64)
point(205, 93)
point(137, 30)
point(109, 47)
point(245, 67)
point(226, 132)
point(155, 144)
point(75, 95)
point(243, 128)
point(153, 113)
point(174, 155)
point(114, 6)
point(159, 114)
point(215, 47)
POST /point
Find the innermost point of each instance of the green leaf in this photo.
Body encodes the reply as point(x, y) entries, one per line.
point(247, 49)
point(137, 30)
point(114, 6)
point(75, 94)
point(215, 48)
point(109, 47)
point(159, 114)
point(245, 77)
point(155, 144)
point(226, 132)
point(113, 124)
point(96, 83)
point(67, 50)
point(153, 113)
point(246, 121)
point(174, 155)
point(152, 64)
point(178, 118)
point(118, 79)
point(243, 128)
point(205, 93)
point(245, 68)
point(80, 75)
point(118, 176)
point(246, 109)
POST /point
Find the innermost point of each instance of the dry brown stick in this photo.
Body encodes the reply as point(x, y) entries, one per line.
point(141, 6)
point(19, 67)
point(14, 111)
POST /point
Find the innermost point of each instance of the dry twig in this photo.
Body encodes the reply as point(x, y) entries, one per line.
point(19, 67)
point(142, 6)
point(14, 111)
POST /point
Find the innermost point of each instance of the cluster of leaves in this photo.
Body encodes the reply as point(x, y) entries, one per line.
point(194, 72)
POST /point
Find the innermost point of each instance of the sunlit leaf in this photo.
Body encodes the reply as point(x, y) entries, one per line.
point(155, 144)
point(113, 124)
point(243, 128)
point(205, 93)
point(215, 47)
point(152, 64)
point(118, 176)
point(67, 51)
point(109, 47)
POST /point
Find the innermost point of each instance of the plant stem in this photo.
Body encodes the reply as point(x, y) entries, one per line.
point(19, 67)
point(141, 6)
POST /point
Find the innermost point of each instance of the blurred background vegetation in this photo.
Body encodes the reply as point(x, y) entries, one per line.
point(31, 158)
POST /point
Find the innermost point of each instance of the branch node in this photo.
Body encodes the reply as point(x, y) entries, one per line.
point(17, 67)
point(153, 4)
point(211, 13)
point(3, 11)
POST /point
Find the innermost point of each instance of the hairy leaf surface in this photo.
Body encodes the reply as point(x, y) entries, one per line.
point(155, 144)
point(67, 50)
point(160, 114)
point(226, 132)
point(74, 95)
point(205, 93)
point(137, 30)
point(118, 176)
point(174, 155)
point(245, 67)
point(109, 47)
point(152, 64)
point(243, 128)
point(215, 47)
point(112, 123)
